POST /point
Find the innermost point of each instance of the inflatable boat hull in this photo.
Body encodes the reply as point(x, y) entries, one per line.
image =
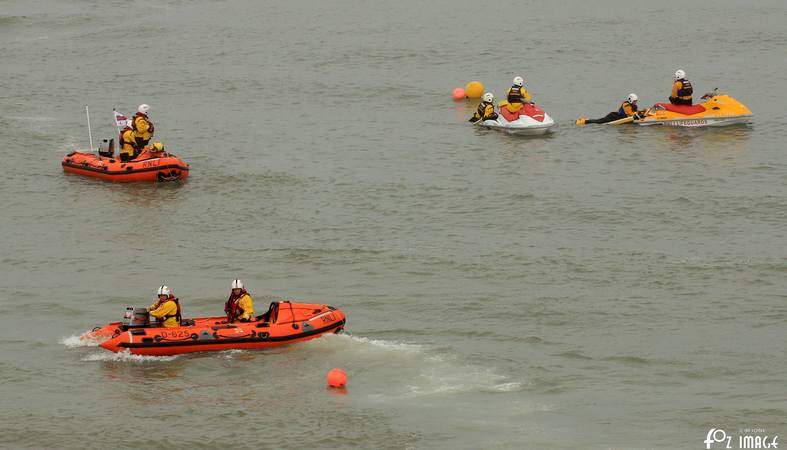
point(285, 323)
point(146, 169)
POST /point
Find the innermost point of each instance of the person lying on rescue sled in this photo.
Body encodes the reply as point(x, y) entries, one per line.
point(166, 309)
point(240, 306)
point(627, 109)
point(136, 136)
point(486, 109)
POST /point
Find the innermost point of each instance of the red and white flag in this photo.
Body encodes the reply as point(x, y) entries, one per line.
point(121, 121)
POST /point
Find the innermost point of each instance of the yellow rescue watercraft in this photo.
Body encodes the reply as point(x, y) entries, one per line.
point(715, 111)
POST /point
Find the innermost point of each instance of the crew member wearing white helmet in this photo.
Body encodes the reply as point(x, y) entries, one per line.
point(627, 109)
point(240, 305)
point(681, 89)
point(166, 309)
point(517, 94)
point(486, 109)
point(135, 137)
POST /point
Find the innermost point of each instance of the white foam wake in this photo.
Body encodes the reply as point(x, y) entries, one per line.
point(125, 357)
point(416, 370)
point(77, 341)
point(377, 344)
point(450, 378)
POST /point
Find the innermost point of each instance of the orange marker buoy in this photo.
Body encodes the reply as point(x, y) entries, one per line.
point(474, 89)
point(336, 378)
point(458, 94)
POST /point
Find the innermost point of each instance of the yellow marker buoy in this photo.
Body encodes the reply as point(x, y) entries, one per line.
point(474, 89)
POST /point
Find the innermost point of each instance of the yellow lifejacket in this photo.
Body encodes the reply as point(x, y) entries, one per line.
point(485, 110)
point(627, 109)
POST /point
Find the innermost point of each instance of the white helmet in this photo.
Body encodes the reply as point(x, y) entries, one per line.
point(680, 74)
point(488, 97)
point(164, 290)
point(237, 284)
point(632, 98)
point(144, 108)
point(518, 81)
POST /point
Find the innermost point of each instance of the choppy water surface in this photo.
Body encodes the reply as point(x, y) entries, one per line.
point(598, 288)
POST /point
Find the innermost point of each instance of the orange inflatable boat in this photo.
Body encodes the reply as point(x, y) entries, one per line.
point(148, 166)
point(284, 323)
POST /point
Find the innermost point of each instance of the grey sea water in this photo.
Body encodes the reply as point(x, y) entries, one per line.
point(598, 288)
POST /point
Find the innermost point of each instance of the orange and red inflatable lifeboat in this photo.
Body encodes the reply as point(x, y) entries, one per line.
point(148, 166)
point(284, 323)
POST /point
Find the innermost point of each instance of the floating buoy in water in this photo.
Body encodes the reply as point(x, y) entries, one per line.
point(458, 94)
point(474, 89)
point(336, 378)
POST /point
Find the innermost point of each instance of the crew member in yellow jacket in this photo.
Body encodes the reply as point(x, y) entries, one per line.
point(166, 309)
point(486, 109)
point(128, 145)
point(136, 136)
point(240, 305)
point(517, 93)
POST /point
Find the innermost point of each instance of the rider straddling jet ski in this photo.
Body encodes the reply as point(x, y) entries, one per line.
point(517, 95)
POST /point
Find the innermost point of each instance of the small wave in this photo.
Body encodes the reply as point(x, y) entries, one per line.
point(513, 386)
point(230, 354)
point(33, 118)
point(574, 354)
point(627, 359)
point(531, 340)
point(446, 379)
point(346, 341)
point(77, 341)
point(387, 345)
point(126, 357)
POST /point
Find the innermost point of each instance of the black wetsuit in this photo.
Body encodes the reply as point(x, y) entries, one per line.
point(611, 117)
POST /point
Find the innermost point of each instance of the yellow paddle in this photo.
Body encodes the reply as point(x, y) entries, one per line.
point(628, 119)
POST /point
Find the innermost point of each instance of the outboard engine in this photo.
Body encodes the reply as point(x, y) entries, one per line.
point(136, 317)
point(107, 148)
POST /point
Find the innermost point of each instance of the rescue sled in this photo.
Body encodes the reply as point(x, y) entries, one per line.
point(148, 166)
point(715, 111)
point(283, 323)
point(520, 119)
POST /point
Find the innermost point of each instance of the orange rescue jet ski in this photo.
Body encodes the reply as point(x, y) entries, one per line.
point(284, 323)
